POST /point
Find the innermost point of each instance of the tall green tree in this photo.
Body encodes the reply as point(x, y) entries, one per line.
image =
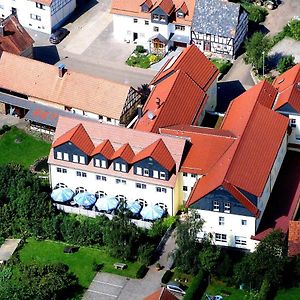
point(285, 63)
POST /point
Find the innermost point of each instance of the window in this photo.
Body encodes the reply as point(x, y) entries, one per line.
point(142, 202)
point(180, 14)
point(155, 17)
point(146, 172)
point(146, 22)
point(216, 206)
point(108, 120)
point(155, 29)
point(81, 174)
point(81, 159)
point(138, 170)
point(135, 20)
point(162, 18)
point(244, 222)
point(64, 170)
point(239, 240)
point(35, 17)
point(120, 181)
point(58, 155)
point(39, 5)
point(221, 221)
point(221, 237)
point(103, 163)
point(100, 177)
point(75, 158)
point(155, 174)
point(185, 188)
point(58, 170)
point(161, 189)
point(162, 175)
point(179, 27)
point(227, 207)
point(162, 205)
point(97, 162)
point(140, 185)
point(194, 175)
point(117, 167)
point(293, 123)
point(123, 168)
point(184, 174)
point(100, 118)
point(80, 190)
point(100, 194)
point(66, 156)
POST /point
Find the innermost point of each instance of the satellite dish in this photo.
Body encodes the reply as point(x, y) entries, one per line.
point(150, 115)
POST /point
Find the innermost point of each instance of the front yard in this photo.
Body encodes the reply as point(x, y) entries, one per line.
point(20, 148)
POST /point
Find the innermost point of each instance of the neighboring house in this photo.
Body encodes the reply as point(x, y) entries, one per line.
point(110, 160)
point(294, 238)
point(237, 166)
point(158, 25)
point(219, 27)
point(182, 91)
point(288, 102)
point(39, 92)
point(161, 294)
point(40, 15)
point(14, 38)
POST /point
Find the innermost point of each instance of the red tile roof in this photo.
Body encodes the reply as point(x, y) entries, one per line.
point(166, 5)
point(159, 152)
point(79, 137)
point(105, 148)
point(15, 39)
point(194, 63)
point(161, 294)
point(288, 78)
point(125, 152)
point(294, 238)
point(184, 8)
point(180, 101)
point(45, 2)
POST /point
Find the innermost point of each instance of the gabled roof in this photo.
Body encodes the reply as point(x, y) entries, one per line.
point(161, 294)
point(287, 79)
point(40, 80)
point(105, 148)
point(15, 39)
point(183, 8)
point(78, 137)
point(166, 5)
point(159, 152)
point(217, 17)
point(194, 63)
point(291, 96)
point(125, 152)
point(180, 101)
point(149, 3)
point(294, 238)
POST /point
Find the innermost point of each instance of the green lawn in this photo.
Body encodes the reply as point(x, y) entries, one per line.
point(18, 147)
point(217, 287)
point(80, 263)
point(223, 65)
point(290, 294)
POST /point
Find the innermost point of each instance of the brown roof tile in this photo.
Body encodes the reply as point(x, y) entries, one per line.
point(161, 294)
point(125, 152)
point(105, 148)
point(287, 79)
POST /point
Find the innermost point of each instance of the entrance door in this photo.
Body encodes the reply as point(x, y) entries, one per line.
point(206, 46)
point(135, 36)
point(14, 11)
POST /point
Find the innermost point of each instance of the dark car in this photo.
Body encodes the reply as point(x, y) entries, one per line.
point(58, 35)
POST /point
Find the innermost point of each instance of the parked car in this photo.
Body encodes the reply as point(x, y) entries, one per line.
point(57, 36)
point(175, 288)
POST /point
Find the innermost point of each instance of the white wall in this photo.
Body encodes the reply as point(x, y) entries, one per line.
point(189, 182)
point(294, 137)
point(232, 227)
point(110, 187)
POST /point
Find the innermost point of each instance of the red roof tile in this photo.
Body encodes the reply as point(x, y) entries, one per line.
point(184, 8)
point(79, 137)
point(125, 152)
point(166, 5)
point(180, 101)
point(45, 2)
point(161, 294)
point(159, 152)
point(294, 238)
point(291, 96)
point(105, 148)
point(194, 63)
point(287, 79)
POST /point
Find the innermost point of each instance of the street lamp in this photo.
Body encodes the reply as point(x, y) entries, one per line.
point(263, 57)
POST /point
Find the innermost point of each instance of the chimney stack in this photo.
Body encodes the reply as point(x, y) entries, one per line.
point(1, 29)
point(157, 101)
point(139, 111)
point(61, 70)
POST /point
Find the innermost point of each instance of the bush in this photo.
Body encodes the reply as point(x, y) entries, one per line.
point(141, 272)
point(167, 277)
point(2, 131)
point(257, 14)
point(6, 127)
point(197, 287)
point(285, 63)
point(140, 49)
point(145, 254)
point(295, 29)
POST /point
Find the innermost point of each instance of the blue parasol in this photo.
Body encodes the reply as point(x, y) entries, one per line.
point(107, 203)
point(152, 212)
point(62, 194)
point(85, 199)
point(134, 207)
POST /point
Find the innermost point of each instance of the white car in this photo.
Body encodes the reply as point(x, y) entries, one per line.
point(175, 289)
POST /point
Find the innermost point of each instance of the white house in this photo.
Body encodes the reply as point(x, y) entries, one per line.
point(287, 102)
point(219, 27)
point(40, 15)
point(156, 25)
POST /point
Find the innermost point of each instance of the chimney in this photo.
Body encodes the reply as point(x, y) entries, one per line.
point(1, 29)
point(157, 101)
point(61, 70)
point(139, 111)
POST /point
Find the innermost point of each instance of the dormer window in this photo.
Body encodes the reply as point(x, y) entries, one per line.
point(146, 172)
point(156, 17)
point(81, 159)
point(180, 14)
point(58, 155)
point(162, 18)
point(162, 175)
point(123, 168)
point(117, 167)
point(103, 164)
point(75, 158)
point(66, 156)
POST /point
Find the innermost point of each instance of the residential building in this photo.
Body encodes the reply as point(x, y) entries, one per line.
point(219, 27)
point(14, 38)
point(110, 160)
point(182, 91)
point(161, 294)
point(40, 15)
point(158, 25)
point(287, 102)
point(41, 92)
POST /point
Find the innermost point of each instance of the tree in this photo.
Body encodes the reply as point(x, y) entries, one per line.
point(257, 48)
point(295, 29)
point(285, 63)
point(187, 251)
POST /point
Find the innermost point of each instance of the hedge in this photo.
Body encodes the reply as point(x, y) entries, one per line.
point(167, 277)
point(141, 272)
point(197, 287)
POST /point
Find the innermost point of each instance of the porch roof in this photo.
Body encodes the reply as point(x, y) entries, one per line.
point(180, 38)
point(160, 37)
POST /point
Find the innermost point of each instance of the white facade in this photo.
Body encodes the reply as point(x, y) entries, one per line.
point(188, 182)
point(38, 16)
point(121, 186)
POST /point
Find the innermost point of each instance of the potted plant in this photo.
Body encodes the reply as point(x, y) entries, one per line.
point(158, 266)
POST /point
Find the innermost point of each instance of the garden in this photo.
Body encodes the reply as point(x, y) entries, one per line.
point(142, 59)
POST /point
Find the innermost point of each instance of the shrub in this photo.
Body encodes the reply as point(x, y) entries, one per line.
point(140, 49)
point(141, 272)
point(285, 63)
point(6, 127)
point(2, 131)
point(257, 14)
point(167, 277)
point(152, 58)
point(295, 29)
point(197, 287)
point(145, 253)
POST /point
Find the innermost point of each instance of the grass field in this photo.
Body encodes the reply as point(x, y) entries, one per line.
point(290, 294)
point(18, 147)
point(80, 263)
